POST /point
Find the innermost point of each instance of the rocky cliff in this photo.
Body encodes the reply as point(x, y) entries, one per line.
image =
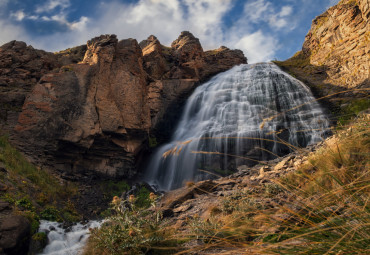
point(335, 56)
point(21, 67)
point(340, 40)
point(95, 114)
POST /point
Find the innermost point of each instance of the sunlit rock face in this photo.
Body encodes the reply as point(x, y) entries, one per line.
point(95, 116)
point(243, 116)
point(339, 41)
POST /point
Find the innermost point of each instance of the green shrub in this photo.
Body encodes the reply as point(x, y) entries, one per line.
point(40, 236)
point(131, 230)
point(143, 200)
point(352, 109)
point(25, 203)
point(113, 188)
point(153, 142)
point(50, 213)
point(33, 218)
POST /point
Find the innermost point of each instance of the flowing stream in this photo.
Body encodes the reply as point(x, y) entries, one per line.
point(248, 114)
point(62, 241)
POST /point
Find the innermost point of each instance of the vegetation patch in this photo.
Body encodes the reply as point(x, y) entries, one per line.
point(113, 188)
point(131, 229)
point(50, 196)
point(351, 109)
point(153, 142)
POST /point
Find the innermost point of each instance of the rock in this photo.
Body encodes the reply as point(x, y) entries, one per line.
point(179, 196)
point(21, 67)
point(14, 234)
point(2, 168)
point(4, 206)
point(242, 168)
point(187, 48)
point(183, 208)
point(155, 63)
point(282, 164)
point(338, 40)
point(95, 114)
point(38, 243)
point(71, 55)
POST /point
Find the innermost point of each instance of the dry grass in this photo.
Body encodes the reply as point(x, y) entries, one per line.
point(320, 209)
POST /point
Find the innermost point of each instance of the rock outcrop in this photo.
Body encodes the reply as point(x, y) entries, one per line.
point(175, 71)
point(14, 231)
point(95, 116)
point(21, 67)
point(339, 39)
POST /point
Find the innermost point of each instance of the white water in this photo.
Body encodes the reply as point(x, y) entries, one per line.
point(233, 105)
point(62, 242)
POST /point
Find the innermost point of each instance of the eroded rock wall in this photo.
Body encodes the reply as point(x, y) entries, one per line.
point(339, 39)
point(95, 116)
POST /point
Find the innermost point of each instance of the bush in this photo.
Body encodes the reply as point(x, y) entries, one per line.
point(51, 214)
point(131, 230)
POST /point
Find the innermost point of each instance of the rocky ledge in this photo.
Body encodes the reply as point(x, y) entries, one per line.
point(95, 114)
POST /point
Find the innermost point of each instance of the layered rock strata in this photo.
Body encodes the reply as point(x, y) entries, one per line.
point(339, 40)
point(95, 116)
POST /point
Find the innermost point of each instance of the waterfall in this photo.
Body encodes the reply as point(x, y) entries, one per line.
point(243, 116)
point(61, 241)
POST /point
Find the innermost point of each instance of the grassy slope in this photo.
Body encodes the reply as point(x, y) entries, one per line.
point(32, 191)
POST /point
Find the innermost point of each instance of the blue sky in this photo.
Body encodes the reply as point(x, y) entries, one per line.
point(263, 29)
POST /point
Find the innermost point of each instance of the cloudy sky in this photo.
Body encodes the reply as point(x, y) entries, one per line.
point(263, 29)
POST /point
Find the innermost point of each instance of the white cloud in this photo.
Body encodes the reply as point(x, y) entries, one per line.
point(33, 17)
point(50, 5)
point(257, 10)
point(11, 32)
point(258, 47)
point(18, 15)
point(286, 11)
point(80, 25)
point(263, 11)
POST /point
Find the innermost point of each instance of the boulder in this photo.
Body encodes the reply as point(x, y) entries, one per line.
point(15, 231)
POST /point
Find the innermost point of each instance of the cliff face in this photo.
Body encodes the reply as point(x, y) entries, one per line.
point(96, 115)
point(21, 67)
point(339, 39)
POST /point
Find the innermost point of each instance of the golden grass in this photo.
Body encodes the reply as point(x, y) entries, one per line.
point(322, 208)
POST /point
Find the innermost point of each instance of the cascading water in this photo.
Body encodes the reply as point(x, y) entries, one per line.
point(61, 241)
point(248, 114)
